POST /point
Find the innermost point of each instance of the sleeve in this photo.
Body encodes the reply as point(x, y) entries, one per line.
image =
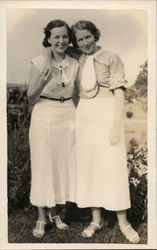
point(39, 63)
point(117, 74)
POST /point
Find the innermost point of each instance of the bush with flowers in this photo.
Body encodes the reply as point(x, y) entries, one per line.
point(137, 167)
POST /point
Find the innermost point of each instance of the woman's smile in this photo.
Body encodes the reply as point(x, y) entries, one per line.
point(86, 41)
point(59, 39)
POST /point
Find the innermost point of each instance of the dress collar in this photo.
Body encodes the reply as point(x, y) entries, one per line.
point(64, 63)
point(98, 53)
point(95, 55)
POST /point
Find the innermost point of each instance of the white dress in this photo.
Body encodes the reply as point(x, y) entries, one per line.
point(102, 177)
point(52, 142)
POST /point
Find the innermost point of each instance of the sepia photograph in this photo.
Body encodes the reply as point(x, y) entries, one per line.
point(79, 127)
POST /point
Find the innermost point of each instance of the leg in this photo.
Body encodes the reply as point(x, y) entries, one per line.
point(95, 225)
point(126, 228)
point(54, 217)
point(39, 229)
point(41, 214)
point(96, 215)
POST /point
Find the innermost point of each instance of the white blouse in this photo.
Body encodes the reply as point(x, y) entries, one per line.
point(109, 71)
point(62, 83)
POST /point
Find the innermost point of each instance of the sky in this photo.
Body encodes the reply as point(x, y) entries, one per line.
point(122, 31)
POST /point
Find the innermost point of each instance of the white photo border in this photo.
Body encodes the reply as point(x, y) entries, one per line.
point(150, 7)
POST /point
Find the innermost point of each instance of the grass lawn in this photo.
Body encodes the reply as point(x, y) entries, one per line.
point(21, 224)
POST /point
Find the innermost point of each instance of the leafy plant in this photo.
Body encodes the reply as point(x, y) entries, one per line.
point(18, 151)
point(137, 166)
point(18, 169)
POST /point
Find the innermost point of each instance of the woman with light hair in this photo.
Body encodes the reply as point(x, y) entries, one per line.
point(102, 177)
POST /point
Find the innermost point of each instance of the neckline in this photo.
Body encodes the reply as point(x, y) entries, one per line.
point(64, 63)
point(96, 54)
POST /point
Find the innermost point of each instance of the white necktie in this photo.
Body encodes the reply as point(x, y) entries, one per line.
point(88, 81)
point(63, 78)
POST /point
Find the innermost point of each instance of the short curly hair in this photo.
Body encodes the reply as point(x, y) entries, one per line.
point(84, 25)
point(51, 25)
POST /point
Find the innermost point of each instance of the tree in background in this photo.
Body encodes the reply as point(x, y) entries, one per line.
point(142, 80)
point(138, 91)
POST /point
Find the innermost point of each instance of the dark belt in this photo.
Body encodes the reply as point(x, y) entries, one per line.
point(60, 99)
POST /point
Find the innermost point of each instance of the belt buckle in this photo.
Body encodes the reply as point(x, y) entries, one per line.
point(62, 99)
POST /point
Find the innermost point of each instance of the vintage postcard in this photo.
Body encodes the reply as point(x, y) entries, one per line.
point(78, 124)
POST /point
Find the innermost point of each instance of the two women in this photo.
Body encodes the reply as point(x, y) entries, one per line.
point(52, 127)
point(101, 162)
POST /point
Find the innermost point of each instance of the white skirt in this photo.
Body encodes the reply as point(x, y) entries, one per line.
point(102, 176)
point(52, 145)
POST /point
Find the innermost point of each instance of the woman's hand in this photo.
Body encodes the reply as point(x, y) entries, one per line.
point(115, 132)
point(37, 82)
point(82, 59)
point(46, 76)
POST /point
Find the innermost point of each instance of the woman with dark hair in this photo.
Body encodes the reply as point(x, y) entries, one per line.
point(52, 127)
point(102, 178)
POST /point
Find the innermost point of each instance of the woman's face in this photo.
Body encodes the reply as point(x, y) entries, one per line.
point(85, 41)
point(59, 39)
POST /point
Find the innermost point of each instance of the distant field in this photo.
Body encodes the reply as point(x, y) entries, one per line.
point(136, 126)
point(138, 110)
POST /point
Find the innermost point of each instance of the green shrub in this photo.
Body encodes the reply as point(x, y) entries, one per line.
point(137, 166)
point(18, 169)
point(138, 91)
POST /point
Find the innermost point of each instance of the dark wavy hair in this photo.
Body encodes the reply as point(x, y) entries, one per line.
point(84, 25)
point(51, 25)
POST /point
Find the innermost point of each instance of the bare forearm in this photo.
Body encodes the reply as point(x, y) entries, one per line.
point(118, 115)
point(119, 104)
point(37, 82)
point(34, 92)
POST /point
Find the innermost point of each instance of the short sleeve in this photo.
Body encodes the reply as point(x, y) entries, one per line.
point(117, 74)
point(39, 63)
